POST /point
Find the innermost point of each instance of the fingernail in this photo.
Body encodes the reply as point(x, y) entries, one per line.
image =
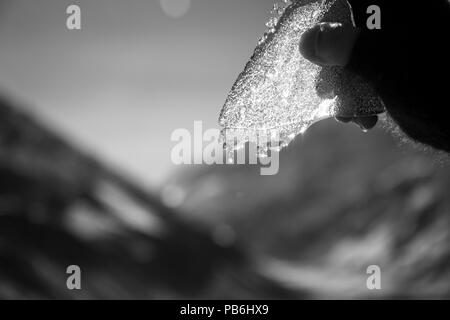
point(366, 123)
point(343, 119)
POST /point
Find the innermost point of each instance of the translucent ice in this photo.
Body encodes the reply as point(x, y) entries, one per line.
point(280, 94)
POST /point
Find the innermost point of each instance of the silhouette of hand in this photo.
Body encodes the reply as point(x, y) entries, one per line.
point(331, 44)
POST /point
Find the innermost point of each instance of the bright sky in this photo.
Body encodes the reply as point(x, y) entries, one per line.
point(136, 71)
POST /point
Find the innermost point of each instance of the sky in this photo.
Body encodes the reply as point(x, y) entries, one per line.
point(136, 71)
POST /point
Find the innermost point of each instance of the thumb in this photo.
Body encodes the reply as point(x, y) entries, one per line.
point(329, 44)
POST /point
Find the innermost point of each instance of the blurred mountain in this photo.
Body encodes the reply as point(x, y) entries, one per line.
point(59, 206)
point(342, 201)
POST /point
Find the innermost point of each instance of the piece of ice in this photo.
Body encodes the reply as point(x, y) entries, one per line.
point(281, 94)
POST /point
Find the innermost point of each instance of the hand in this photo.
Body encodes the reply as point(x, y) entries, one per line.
point(331, 44)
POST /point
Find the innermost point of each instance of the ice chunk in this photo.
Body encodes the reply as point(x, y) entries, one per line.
point(280, 94)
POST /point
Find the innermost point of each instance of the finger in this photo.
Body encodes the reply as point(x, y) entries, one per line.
point(329, 43)
point(308, 42)
point(364, 123)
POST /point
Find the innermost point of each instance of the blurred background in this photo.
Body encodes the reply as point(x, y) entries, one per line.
point(86, 176)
